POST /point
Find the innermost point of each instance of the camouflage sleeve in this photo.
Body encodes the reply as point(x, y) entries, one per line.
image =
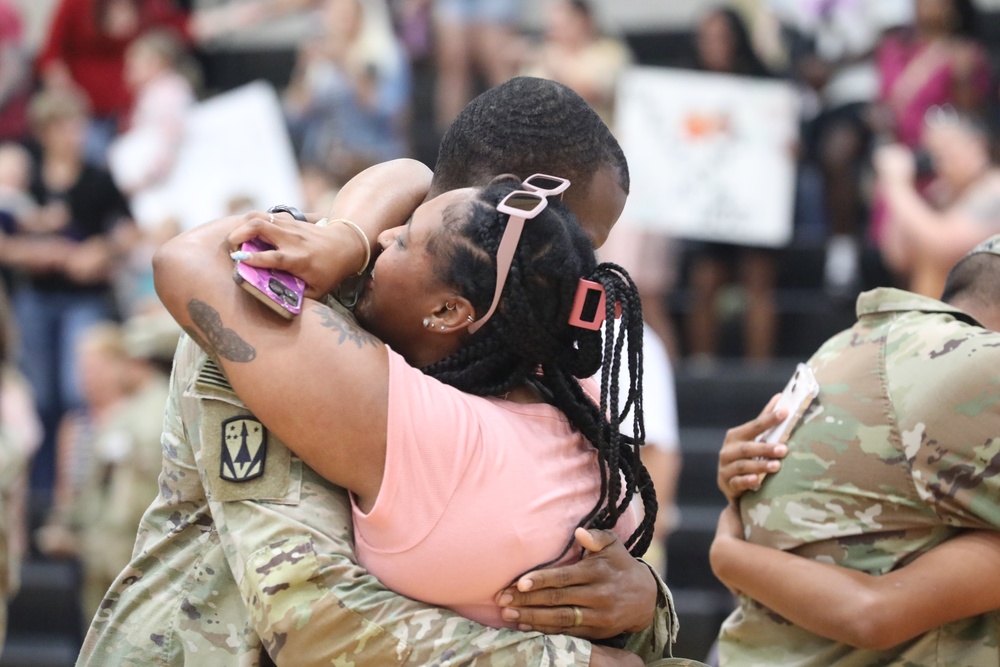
point(312, 604)
point(947, 402)
point(655, 641)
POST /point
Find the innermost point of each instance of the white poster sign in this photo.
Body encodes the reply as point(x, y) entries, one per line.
point(235, 147)
point(710, 155)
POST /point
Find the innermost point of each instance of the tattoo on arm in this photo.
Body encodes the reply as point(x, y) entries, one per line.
point(348, 330)
point(196, 337)
point(224, 342)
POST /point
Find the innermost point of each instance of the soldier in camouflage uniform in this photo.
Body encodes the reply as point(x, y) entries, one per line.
point(263, 571)
point(230, 573)
point(899, 451)
point(123, 471)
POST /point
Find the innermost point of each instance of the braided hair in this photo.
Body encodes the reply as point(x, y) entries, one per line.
point(529, 339)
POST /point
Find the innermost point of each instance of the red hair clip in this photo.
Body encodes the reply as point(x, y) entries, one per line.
point(589, 306)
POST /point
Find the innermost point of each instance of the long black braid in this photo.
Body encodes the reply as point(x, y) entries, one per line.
point(529, 340)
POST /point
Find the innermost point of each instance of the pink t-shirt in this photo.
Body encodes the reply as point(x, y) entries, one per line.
point(476, 491)
point(908, 94)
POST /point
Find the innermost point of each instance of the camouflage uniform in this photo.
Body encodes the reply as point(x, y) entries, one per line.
point(242, 573)
point(900, 450)
point(20, 436)
point(122, 479)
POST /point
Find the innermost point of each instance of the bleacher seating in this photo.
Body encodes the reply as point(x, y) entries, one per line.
point(44, 628)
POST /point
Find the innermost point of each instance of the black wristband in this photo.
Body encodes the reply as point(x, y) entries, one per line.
point(290, 210)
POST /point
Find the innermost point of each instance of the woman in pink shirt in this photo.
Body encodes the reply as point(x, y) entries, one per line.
point(479, 466)
point(938, 62)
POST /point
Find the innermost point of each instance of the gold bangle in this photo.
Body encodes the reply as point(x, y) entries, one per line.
point(364, 239)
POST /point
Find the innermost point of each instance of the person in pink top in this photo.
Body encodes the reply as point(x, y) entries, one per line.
point(938, 62)
point(457, 416)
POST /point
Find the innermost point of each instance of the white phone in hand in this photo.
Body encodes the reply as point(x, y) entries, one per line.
point(795, 399)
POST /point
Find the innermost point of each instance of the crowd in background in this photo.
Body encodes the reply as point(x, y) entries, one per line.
point(895, 161)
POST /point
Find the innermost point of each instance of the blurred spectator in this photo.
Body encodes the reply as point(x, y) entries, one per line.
point(163, 97)
point(927, 234)
point(17, 208)
point(835, 59)
point(575, 54)
point(723, 46)
point(414, 24)
point(319, 188)
point(157, 70)
point(935, 63)
point(85, 49)
point(20, 436)
point(348, 99)
point(64, 262)
point(100, 351)
point(938, 61)
point(474, 39)
point(111, 452)
point(15, 70)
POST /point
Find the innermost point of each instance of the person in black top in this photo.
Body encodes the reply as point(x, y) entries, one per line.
point(63, 260)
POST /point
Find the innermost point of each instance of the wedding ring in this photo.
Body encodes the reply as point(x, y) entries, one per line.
point(270, 218)
point(577, 617)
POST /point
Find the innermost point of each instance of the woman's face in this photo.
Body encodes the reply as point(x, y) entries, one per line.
point(403, 288)
point(566, 25)
point(934, 15)
point(65, 135)
point(142, 65)
point(716, 44)
point(102, 376)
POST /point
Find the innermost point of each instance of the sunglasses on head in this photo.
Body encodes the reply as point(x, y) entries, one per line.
point(520, 205)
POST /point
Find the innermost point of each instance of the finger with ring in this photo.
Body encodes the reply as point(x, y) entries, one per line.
point(270, 218)
point(577, 617)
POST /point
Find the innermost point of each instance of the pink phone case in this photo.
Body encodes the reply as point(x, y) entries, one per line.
point(279, 290)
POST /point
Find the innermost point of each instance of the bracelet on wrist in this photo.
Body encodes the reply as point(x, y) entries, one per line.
point(360, 232)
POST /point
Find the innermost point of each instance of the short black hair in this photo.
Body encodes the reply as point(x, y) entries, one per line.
point(524, 126)
point(975, 279)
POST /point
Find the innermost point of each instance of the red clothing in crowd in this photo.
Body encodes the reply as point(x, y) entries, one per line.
point(13, 109)
point(95, 60)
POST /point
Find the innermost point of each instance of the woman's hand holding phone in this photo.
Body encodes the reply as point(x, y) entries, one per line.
point(299, 248)
point(379, 198)
point(742, 459)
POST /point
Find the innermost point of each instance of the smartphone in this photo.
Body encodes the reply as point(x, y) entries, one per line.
point(280, 291)
point(795, 398)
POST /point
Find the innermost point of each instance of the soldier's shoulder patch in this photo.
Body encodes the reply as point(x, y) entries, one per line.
point(211, 376)
point(240, 457)
point(244, 449)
